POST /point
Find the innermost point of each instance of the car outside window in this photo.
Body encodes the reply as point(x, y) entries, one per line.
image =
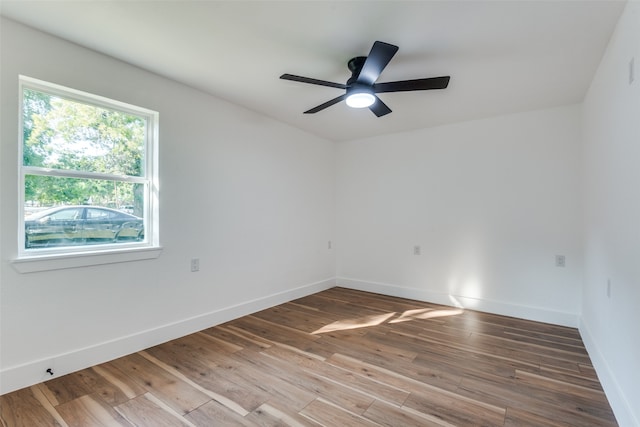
point(83, 158)
point(64, 214)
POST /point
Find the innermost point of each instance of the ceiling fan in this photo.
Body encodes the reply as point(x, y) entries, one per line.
point(361, 88)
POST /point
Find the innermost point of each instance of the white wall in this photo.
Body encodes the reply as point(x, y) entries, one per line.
point(611, 325)
point(252, 198)
point(490, 202)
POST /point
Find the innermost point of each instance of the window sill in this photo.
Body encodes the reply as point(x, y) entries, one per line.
point(33, 264)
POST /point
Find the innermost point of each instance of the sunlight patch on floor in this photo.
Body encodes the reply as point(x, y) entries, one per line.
point(426, 313)
point(361, 322)
point(379, 319)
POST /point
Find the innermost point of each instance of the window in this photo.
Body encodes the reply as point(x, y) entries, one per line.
point(88, 173)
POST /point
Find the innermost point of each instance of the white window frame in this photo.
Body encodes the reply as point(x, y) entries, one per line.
point(40, 259)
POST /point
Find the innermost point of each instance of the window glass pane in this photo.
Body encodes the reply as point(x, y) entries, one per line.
point(87, 167)
point(73, 211)
point(47, 191)
point(69, 135)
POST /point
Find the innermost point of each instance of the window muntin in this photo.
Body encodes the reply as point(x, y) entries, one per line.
point(90, 153)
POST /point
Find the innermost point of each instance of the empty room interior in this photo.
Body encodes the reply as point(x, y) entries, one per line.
point(460, 250)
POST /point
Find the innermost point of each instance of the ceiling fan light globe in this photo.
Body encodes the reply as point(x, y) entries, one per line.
point(360, 100)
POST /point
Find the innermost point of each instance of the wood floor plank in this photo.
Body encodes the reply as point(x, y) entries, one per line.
point(328, 414)
point(316, 383)
point(514, 330)
point(208, 377)
point(179, 395)
point(522, 418)
point(597, 397)
point(354, 345)
point(588, 371)
point(123, 388)
point(274, 332)
point(379, 302)
point(22, 409)
point(460, 362)
point(421, 392)
point(521, 324)
point(540, 402)
point(584, 400)
point(392, 416)
point(46, 404)
point(435, 374)
point(581, 379)
point(238, 337)
point(338, 308)
point(268, 415)
point(461, 358)
point(554, 341)
point(558, 351)
point(146, 410)
point(345, 377)
point(90, 410)
point(294, 317)
point(180, 375)
point(456, 409)
point(340, 357)
point(217, 344)
point(214, 412)
point(252, 370)
point(68, 387)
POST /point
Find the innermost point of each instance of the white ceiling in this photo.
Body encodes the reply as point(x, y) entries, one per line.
point(502, 56)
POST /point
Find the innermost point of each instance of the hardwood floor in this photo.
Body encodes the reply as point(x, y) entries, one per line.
point(337, 358)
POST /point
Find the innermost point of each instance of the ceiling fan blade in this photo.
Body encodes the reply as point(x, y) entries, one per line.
point(312, 81)
point(380, 55)
point(417, 84)
point(379, 108)
point(326, 104)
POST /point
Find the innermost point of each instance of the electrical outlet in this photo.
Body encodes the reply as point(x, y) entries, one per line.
point(560, 261)
point(416, 250)
point(195, 264)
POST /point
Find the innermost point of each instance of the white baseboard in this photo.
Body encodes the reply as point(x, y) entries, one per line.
point(25, 375)
point(497, 307)
point(622, 409)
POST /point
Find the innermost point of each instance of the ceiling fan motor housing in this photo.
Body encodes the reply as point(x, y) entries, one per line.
point(355, 66)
